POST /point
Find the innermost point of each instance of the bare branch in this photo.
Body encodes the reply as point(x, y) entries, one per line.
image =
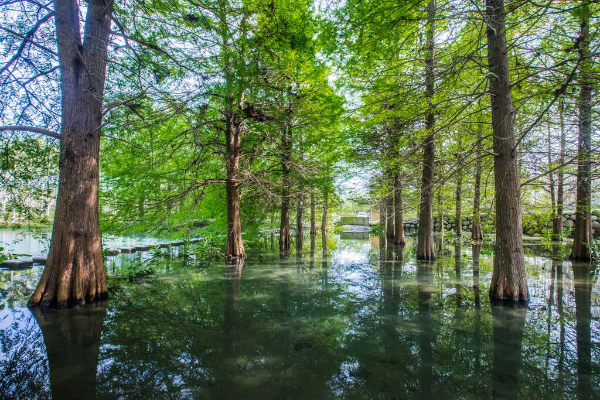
point(26, 40)
point(31, 129)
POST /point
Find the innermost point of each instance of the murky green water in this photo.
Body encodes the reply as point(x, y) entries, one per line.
point(366, 322)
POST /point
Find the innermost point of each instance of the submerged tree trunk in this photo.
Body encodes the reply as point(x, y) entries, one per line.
point(234, 245)
point(324, 221)
point(508, 277)
point(552, 187)
point(441, 226)
point(74, 272)
point(299, 215)
point(582, 233)
point(425, 244)
point(313, 215)
point(557, 226)
point(476, 233)
point(285, 235)
point(399, 218)
point(389, 208)
point(458, 195)
point(458, 209)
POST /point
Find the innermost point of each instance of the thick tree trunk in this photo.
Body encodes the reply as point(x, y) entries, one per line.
point(72, 340)
point(582, 233)
point(234, 244)
point(74, 272)
point(398, 212)
point(425, 244)
point(458, 208)
point(313, 215)
point(476, 233)
point(389, 209)
point(324, 220)
point(552, 186)
point(508, 277)
point(476, 253)
point(299, 215)
point(440, 224)
point(557, 225)
point(285, 235)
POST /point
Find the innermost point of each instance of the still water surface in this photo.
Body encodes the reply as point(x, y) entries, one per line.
point(367, 321)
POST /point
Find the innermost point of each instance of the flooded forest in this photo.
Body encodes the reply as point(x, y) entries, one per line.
point(299, 199)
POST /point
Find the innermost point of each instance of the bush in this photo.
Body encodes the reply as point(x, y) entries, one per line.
point(537, 223)
point(594, 250)
point(378, 230)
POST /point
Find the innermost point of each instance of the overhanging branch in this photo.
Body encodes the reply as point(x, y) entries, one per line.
point(45, 132)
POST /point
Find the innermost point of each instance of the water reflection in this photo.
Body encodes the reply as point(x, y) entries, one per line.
point(72, 339)
point(583, 279)
point(367, 321)
point(508, 323)
point(425, 289)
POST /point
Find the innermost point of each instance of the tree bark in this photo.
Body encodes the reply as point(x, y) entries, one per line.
point(440, 224)
point(389, 208)
point(324, 220)
point(313, 215)
point(425, 244)
point(557, 226)
point(74, 272)
point(299, 215)
point(285, 235)
point(582, 233)
point(476, 233)
point(552, 186)
point(233, 131)
point(508, 277)
point(458, 208)
point(398, 212)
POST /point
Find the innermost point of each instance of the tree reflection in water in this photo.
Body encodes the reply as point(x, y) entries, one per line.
point(583, 278)
point(425, 288)
point(367, 322)
point(509, 321)
point(23, 364)
point(72, 339)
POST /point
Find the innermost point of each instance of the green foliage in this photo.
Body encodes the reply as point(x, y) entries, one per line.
point(535, 223)
point(210, 247)
point(594, 250)
point(377, 230)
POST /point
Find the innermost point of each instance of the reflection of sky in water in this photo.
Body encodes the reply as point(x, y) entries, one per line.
point(368, 322)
